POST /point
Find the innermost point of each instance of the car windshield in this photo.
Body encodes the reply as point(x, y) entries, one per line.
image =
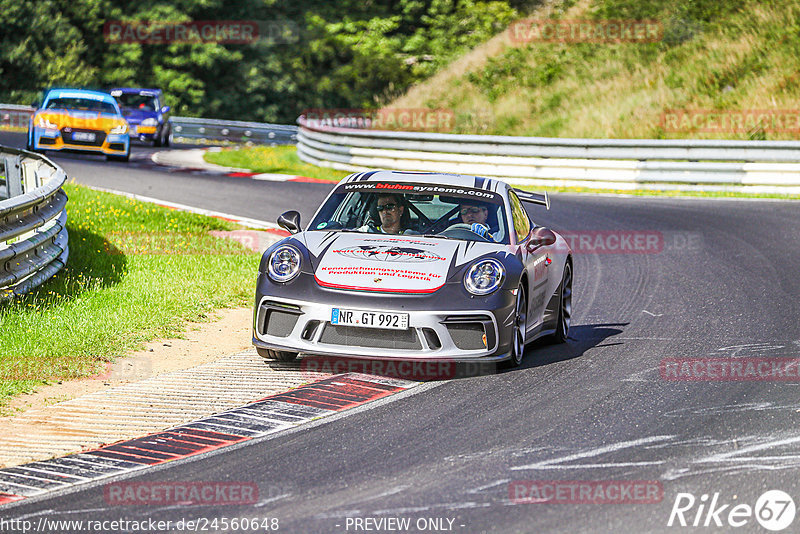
point(135, 101)
point(416, 209)
point(81, 104)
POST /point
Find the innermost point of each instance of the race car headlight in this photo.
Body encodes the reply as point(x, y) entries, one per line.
point(284, 263)
point(484, 277)
point(42, 122)
point(119, 129)
point(149, 122)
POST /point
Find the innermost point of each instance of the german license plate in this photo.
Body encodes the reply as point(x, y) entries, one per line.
point(83, 136)
point(370, 319)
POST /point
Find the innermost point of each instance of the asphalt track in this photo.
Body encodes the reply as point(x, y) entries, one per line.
point(722, 283)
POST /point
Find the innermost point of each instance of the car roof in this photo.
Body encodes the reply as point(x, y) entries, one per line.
point(463, 180)
point(80, 93)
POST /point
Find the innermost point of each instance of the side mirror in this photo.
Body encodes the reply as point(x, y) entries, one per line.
point(35, 104)
point(290, 221)
point(540, 237)
point(165, 109)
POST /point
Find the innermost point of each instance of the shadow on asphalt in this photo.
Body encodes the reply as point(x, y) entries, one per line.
point(539, 353)
point(581, 338)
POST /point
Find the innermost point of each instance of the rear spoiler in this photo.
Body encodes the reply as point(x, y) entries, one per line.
point(534, 198)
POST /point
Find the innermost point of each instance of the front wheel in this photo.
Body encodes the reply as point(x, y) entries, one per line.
point(565, 306)
point(519, 329)
point(279, 355)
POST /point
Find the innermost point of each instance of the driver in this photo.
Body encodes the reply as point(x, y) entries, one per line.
point(475, 214)
point(390, 211)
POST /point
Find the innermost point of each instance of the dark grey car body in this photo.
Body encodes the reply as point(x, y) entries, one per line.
point(422, 276)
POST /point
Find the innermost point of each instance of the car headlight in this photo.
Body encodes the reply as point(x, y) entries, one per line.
point(284, 263)
point(119, 129)
point(484, 277)
point(42, 122)
point(149, 122)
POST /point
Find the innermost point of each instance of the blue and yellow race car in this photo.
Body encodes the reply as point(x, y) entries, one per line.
point(80, 120)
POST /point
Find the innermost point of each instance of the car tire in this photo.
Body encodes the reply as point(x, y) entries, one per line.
point(279, 355)
point(166, 137)
point(564, 320)
point(518, 330)
point(157, 140)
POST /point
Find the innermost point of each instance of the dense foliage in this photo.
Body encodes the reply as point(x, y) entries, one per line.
point(328, 54)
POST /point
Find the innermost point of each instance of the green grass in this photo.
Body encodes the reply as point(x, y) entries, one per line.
point(278, 160)
point(720, 56)
point(136, 272)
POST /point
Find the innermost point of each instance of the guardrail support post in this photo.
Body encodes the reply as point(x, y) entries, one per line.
point(13, 176)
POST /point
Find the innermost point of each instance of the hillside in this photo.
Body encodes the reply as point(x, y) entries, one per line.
point(263, 60)
point(737, 62)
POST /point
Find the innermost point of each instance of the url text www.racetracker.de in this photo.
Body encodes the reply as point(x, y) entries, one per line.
point(149, 525)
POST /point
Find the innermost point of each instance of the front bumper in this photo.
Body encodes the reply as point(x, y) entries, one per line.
point(478, 330)
point(109, 144)
point(144, 133)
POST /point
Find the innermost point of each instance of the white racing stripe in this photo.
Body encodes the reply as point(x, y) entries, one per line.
point(244, 221)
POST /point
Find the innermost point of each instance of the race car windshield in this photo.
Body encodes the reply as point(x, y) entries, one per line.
point(134, 101)
point(421, 209)
point(81, 104)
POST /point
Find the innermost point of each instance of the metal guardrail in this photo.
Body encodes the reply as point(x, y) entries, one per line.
point(213, 131)
point(33, 235)
point(604, 163)
point(14, 116)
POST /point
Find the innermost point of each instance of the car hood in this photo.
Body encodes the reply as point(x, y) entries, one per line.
point(376, 262)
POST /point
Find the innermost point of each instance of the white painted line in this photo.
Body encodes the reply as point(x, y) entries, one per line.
point(274, 177)
point(244, 221)
point(593, 452)
point(725, 456)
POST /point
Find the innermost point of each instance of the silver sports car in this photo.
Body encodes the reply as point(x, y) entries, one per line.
point(414, 266)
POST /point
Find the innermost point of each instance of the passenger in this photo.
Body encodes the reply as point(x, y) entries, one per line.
point(476, 214)
point(473, 212)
